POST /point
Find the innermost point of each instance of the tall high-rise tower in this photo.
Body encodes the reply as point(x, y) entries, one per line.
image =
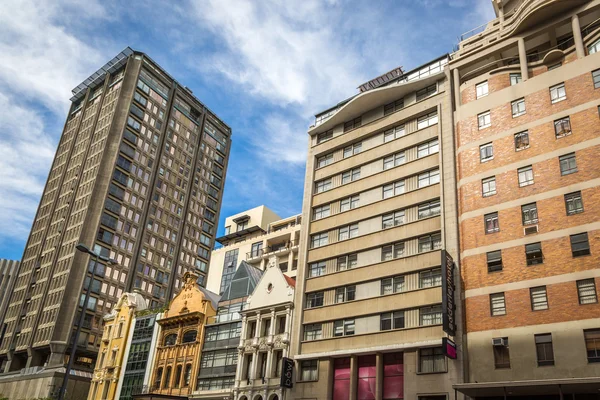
point(138, 177)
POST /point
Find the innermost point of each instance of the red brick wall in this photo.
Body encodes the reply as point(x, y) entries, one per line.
point(557, 260)
point(579, 90)
point(563, 305)
point(496, 82)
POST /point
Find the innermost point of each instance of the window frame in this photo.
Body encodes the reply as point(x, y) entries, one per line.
point(577, 239)
point(542, 304)
point(494, 219)
point(525, 171)
point(556, 94)
point(497, 310)
point(583, 285)
point(484, 120)
point(569, 161)
point(515, 78)
point(596, 78)
point(488, 181)
point(520, 143)
point(486, 152)
point(573, 197)
point(527, 209)
point(518, 107)
point(494, 260)
point(324, 136)
point(327, 158)
point(562, 122)
point(483, 93)
point(532, 248)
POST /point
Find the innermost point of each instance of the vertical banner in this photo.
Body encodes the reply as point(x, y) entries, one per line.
point(448, 304)
point(287, 373)
point(449, 348)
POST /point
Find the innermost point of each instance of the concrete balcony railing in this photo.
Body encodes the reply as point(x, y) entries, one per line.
point(272, 250)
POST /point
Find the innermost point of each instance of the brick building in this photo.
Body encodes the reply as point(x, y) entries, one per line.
point(527, 131)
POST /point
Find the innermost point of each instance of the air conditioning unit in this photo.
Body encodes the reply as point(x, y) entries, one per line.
point(531, 230)
point(496, 342)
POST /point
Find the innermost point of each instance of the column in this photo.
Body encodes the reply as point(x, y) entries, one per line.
point(243, 330)
point(523, 59)
point(456, 78)
point(577, 36)
point(273, 323)
point(501, 13)
point(239, 371)
point(379, 384)
point(269, 372)
point(254, 364)
point(353, 377)
point(290, 260)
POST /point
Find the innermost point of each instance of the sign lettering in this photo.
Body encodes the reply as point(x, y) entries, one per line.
point(448, 303)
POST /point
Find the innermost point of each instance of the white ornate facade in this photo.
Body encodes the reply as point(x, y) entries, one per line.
point(265, 337)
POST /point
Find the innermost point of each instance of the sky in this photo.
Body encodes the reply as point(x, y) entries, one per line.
point(264, 67)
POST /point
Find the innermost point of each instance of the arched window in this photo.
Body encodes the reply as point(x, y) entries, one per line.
point(178, 376)
point(189, 336)
point(188, 375)
point(167, 378)
point(158, 377)
point(170, 340)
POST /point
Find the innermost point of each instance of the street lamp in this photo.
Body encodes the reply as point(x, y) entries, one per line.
point(84, 249)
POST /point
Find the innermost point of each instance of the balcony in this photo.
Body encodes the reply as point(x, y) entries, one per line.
point(274, 249)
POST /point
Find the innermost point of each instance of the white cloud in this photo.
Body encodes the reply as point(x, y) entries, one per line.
point(41, 60)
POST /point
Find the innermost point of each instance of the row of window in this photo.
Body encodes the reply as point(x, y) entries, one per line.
point(529, 212)
point(388, 252)
point(544, 349)
point(396, 284)
point(430, 315)
point(586, 292)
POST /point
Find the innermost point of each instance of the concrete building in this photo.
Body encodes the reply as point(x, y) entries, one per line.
point(111, 363)
point(181, 338)
point(379, 208)
point(528, 137)
point(254, 236)
point(8, 276)
point(220, 350)
point(265, 336)
point(138, 177)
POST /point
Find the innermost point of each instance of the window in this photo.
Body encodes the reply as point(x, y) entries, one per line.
point(323, 186)
point(543, 347)
point(166, 382)
point(596, 78)
point(515, 79)
point(586, 291)
point(525, 175)
point(428, 178)
point(430, 209)
point(430, 278)
point(343, 294)
point(427, 120)
point(393, 189)
point(529, 214)
point(491, 222)
point(350, 176)
point(394, 160)
point(494, 260)
point(352, 150)
point(562, 127)
point(573, 203)
point(308, 370)
point(428, 148)
point(325, 160)
point(594, 47)
point(486, 152)
point(321, 212)
point(533, 253)
point(426, 92)
point(256, 250)
point(484, 120)
point(170, 340)
point(313, 332)
point(501, 353)
point(518, 107)
point(430, 242)
point(349, 203)
point(393, 285)
point(189, 336)
point(558, 93)
point(325, 136)
point(392, 251)
point(488, 186)
point(353, 124)
point(430, 315)
point(539, 298)
point(521, 140)
point(316, 269)
point(592, 343)
point(314, 300)
point(432, 360)
point(318, 240)
point(497, 304)
point(348, 232)
point(344, 327)
point(393, 107)
point(568, 164)
point(347, 262)
point(481, 89)
point(393, 219)
point(391, 320)
point(580, 246)
point(393, 133)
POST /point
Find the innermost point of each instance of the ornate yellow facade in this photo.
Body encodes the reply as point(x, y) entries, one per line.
point(110, 362)
point(180, 341)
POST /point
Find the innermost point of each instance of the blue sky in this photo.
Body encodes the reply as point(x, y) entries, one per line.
point(265, 67)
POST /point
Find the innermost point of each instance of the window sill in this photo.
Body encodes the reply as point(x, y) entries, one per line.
point(563, 135)
point(526, 184)
point(435, 372)
point(568, 172)
point(518, 115)
point(558, 100)
point(484, 160)
point(488, 194)
point(522, 148)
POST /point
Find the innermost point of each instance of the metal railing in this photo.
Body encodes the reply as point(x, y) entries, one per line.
point(271, 249)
